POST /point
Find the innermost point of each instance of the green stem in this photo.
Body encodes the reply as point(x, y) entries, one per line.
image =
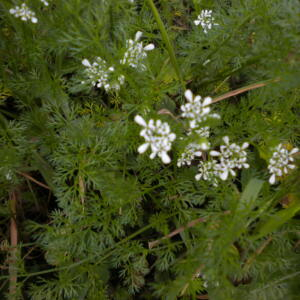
point(167, 41)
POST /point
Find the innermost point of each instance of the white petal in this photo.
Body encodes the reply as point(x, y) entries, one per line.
point(197, 98)
point(172, 137)
point(12, 11)
point(205, 110)
point(143, 148)
point(245, 145)
point(138, 35)
point(293, 151)
point(34, 20)
point(207, 101)
point(149, 47)
point(165, 158)
point(188, 95)
point(272, 179)
point(138, 119)
point(86, 63)
point(246, 166)
point(196, 22)
point(214, 153)
point(198, 176)
point(193, 124)
point(216, 116)
point(232, 172)
point(226, 139)
point(204, 146)
point(224, 175)
point(152, 155)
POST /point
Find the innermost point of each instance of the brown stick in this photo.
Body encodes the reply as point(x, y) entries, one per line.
point(81, 190)
point(202, 297)
point(34, 180)
point(244, 89)
point(250, 260)
point(12, 270)
point(178, 230)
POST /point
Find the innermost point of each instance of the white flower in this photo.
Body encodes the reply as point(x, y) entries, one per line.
point(136, 52)
point(209, 171)
point(8, 175)
point(203, 132)
point(100, 75)
point(231, 156)
point(158, 136)
point(24, 13)
point(280, 162)
point(191, 151)
point(45, 2)
point(195, 110)
point(194, 149)
point(206, 20)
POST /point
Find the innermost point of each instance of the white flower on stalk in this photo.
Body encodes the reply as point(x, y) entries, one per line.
point(206, 20)
point(194, 149)
point(203, 132)
point(24, 13)
point(191, 151)
point(195, 110)
point(209, 171)
point(231, 156)
point(100, 75)
point(281, 162)
point(157, 136)
point(136, 52)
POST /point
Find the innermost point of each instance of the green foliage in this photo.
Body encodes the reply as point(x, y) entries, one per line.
point(89, 206)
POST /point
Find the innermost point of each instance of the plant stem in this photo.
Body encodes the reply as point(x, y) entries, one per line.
point(13, 273)
point(167, 41)
point(244, 89)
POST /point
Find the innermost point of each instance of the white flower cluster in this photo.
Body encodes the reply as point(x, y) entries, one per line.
point(158, 136)
point(209, 170)
point(220, 164)
point(202, 132)
point(196, 111)
point(281, 162)
point(24, 13)
point(193, 150)
point(136, 52)
point(206, 20)
point(101, 75)
point(231, 156)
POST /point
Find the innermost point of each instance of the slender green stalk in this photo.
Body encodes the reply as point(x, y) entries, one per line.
point(167, 41)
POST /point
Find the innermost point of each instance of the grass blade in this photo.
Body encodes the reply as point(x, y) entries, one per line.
point(167, 41)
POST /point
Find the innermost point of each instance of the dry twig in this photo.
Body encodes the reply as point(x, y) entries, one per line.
point(12, 270)
point(244, 89)
point(34, 180)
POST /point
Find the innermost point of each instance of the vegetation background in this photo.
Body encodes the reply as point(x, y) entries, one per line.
point(79, 206)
